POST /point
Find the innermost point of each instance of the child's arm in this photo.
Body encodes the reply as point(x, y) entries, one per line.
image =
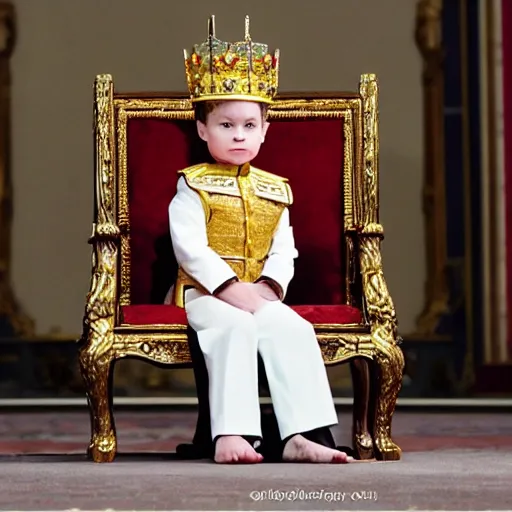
point(190, 243)
point(279, 267)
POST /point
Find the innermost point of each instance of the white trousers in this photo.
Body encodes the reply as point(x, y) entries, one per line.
point(231, 339)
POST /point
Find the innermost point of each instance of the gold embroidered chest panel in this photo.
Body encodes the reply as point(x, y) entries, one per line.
point(243, 206)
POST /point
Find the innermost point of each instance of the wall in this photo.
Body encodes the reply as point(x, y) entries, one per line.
point(63, 44)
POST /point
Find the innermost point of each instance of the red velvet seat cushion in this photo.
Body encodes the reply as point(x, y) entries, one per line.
point(161, 315)
point(337, 314)
point(149, 314)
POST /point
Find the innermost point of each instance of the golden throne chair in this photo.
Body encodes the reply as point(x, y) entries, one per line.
point(328, 147)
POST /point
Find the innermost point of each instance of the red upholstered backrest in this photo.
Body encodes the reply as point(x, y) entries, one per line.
point(309, 153)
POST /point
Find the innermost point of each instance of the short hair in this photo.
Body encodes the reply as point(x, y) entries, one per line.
point(202, 109)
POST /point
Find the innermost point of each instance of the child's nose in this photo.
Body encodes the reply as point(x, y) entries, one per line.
point(239, 134)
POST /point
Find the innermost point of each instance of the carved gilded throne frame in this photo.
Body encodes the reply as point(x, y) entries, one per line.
point(372, 347)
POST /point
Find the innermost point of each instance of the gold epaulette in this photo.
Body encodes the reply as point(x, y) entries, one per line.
point(271, 186)
point(222, 179)
point(218, 179)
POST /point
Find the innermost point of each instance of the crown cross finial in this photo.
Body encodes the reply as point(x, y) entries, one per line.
point(211, 26)
point(211, 35)
point(247, 34)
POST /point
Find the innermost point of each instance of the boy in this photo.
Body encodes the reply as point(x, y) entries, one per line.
point(233, 242)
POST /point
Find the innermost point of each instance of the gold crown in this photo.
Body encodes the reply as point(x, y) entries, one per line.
point(218, 70)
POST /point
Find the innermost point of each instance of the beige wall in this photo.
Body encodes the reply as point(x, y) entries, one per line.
point(63, 44)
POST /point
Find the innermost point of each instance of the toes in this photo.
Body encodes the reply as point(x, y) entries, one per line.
point(245, 457)
point(308, 451)
point(251, 457)
point(328, 455)
point(340, 458)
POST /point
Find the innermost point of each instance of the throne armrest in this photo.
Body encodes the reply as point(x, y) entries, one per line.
point(378, 307)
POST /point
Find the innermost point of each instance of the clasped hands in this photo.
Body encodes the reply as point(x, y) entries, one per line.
point(248, 297)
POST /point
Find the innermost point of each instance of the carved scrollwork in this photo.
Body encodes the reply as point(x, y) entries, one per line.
point(100, 304)
point(105, 178)
point(379, 308)
point(388, 355)
point(430, 44)
point(96, 351)
point(96, 354)
point(428, 31)
point(7, 29)
point(17, 320)
point(348, 172)
point(339, 347)
point(368, 89)
point(154, 347)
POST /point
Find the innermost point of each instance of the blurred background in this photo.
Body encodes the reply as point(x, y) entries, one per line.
point(445, 173)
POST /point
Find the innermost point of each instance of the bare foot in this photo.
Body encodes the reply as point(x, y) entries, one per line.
point(299, 449)
point(235, 450)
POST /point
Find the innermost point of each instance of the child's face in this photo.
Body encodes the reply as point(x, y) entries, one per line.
point(234, 131)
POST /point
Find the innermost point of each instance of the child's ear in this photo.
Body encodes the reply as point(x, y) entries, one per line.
point(201, 130)
point(266, 124)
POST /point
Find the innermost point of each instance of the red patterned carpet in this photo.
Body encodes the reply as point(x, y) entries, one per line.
point(61, 432)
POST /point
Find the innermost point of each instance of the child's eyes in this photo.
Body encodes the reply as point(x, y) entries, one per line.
point(229, 125)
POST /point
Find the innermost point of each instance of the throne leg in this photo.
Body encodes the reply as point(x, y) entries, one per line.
point(97, 376)
point(362, 439)
point(389, 360)
point(389, 366)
